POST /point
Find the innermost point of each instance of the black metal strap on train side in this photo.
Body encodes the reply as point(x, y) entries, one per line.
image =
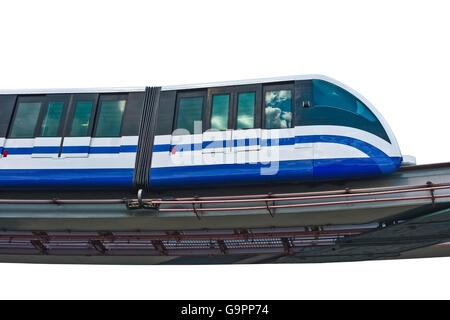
point(147, 129)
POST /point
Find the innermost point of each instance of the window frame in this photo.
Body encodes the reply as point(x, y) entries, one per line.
point(27, 99)
point(64, 98)
point(234, 92)
point(190, 94)
point(208, 112)
point(277, 87)
point(230, 101)
point(109, 97)
point(94, 97)
point(257, 89)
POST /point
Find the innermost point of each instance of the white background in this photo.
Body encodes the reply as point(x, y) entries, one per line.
point(395, 53)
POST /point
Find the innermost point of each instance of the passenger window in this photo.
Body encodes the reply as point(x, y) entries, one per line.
point(278, 109)
point(189, 111)
point(110, 118)
point(81, 119)
point(219, 112)
point(50, 124)
point(25, 121)
point(246, 111)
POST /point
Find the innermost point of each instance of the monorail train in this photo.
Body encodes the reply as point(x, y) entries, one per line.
point(285, 130)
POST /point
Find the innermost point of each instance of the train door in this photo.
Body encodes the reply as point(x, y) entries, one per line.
point(107, 138)
point(20, 140)
point(216, 140)
point(79, 126)
point(49, 131)
point(303, 142)
point(303, 100)
point(21, 134)
point(36, 128)
point(187, 138)
point(247, 124)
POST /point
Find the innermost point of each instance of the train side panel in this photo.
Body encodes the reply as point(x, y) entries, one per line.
point(301, 131)
point(42, 158)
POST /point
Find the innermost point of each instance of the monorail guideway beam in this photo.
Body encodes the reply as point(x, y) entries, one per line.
point(345, 206)
point(388, 217)
point(401, 194)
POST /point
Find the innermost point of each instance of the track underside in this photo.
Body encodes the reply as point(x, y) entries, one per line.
point(276, 245)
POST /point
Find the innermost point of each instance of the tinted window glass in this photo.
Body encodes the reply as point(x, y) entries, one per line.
point(25, 120)
point(219, 112)
point(278, 110)
point(50, 124)
point(328, 94)
point(189, 111)
point(364, 112)
point(246, 111)
point(332, 105)
point(81, 118)
point(110, 118)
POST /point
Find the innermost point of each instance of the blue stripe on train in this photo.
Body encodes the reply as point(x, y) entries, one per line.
point(18, 150)
point(379, 157)
point(228, 174)
point(66, 178)
point(209, 175)
point(295, 171)
point(48, 150)
point(225, 144)
point(73, 149)
point(356, 143)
